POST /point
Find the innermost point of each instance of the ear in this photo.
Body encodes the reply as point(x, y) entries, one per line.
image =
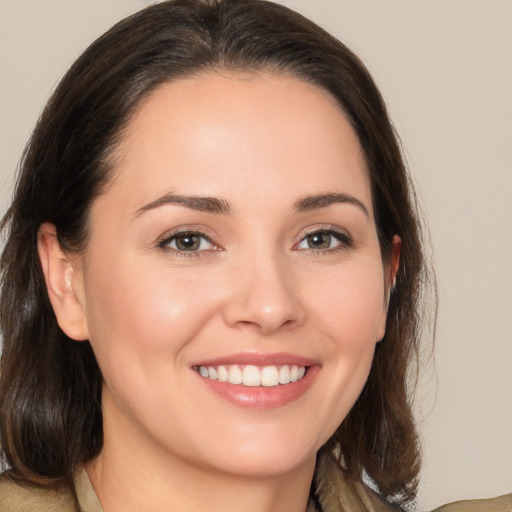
point(390, 275)
point(396, 244)
point(64, 282)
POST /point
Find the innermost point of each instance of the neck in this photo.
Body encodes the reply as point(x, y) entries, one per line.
point(132, 474)
point(130, 487)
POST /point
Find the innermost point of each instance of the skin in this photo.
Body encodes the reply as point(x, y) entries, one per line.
point(259, 143)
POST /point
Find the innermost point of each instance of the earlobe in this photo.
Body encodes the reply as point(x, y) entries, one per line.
point(64, 283)
point(396, 245)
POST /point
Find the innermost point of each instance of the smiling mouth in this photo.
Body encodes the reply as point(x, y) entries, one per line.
point(253, 376)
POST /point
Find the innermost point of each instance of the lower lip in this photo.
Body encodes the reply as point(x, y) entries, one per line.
point(260, 397)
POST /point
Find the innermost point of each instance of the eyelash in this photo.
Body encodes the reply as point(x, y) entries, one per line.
point(344, 239)
point(345, 242)
point(165, 243)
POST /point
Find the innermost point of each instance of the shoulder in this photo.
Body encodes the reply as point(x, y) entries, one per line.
point(336, 491)
point(17, 497)
point(499, 504)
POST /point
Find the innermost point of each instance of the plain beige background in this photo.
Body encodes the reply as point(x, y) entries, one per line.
point(445, 70)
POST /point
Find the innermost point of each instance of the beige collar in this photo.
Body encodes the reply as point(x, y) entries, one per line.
point(87, 498)
point(335, 492)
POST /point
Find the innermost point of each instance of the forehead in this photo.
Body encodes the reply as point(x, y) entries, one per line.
point(217, 133)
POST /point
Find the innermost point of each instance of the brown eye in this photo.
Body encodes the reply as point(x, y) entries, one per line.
point(319, 240)
point(325, 240)
point(187, 242)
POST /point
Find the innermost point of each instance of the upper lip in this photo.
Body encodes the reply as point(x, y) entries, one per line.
point(257, 359)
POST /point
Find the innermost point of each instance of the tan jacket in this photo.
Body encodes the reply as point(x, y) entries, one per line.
point(347, 498)
point(338, 495)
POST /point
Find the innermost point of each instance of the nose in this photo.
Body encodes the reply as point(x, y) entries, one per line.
point(265, 297)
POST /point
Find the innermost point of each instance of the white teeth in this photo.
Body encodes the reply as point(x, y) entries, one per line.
point(284, 375)
point(235, 375)
point(253, 376)
point(223, 374)
point(269, 376)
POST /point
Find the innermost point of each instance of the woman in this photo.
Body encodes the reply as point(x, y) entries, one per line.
point(212, 275)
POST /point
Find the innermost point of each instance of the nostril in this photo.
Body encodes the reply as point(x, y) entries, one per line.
point(265, 300)
point(266, 327)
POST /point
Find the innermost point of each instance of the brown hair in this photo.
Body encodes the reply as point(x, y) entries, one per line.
point(50, 386)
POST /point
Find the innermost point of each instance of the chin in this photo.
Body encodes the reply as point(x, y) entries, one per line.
point(260, 466)
point(266, 452)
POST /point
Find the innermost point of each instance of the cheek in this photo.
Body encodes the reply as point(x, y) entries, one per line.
point(349, 304)
point(136, 313)
point(348, 314)
point(143, 322)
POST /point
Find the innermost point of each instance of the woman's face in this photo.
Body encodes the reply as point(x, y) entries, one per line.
point(235, 241)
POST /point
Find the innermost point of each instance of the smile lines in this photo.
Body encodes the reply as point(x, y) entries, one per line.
point(253, 376)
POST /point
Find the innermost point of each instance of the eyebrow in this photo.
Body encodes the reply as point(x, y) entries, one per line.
point(198, 203)
point(323, 200)
point(221, 206)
